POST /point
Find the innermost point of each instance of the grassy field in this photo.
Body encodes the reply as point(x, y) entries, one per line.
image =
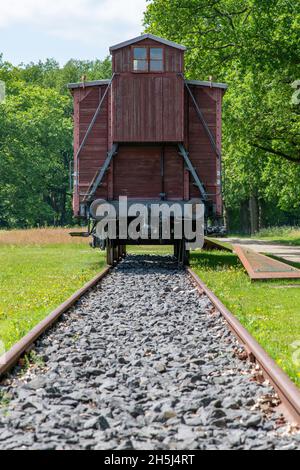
point(37, 275)
point(269, 310)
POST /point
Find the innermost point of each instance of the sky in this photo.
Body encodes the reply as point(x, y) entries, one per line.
point(32, 30)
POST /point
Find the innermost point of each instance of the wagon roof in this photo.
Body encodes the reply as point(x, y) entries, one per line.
point(106, 82)
point(147, 36)
point(85, 84)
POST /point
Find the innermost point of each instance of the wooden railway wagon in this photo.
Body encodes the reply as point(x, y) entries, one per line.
point(147, 133)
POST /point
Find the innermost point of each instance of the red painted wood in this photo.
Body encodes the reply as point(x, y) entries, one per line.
point(141, 112)
point(201, 152)
point(76, 147)
point(137, 172)
point(186, 185)
point(219, 200)
point(95, 151)
point(174, 174)
point(148, 108)
point(110, 176)
point(122, 58)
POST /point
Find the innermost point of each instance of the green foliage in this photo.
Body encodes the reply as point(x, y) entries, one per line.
point(36, 133)
point(253, 45)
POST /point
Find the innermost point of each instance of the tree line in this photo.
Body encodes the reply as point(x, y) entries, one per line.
point(252, 45)
point(36, 137)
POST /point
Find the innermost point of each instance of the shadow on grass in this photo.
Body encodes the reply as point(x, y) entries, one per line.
point(215, 259)
point(283, 241)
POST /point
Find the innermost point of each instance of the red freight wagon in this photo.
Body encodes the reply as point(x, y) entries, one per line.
point(147, 134)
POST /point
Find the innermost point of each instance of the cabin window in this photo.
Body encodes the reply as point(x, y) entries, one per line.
point(148, 59)
point(140, 60)
point(156, 59)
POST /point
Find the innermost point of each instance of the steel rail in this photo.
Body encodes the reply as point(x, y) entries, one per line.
point(10, 358)
point(286, 389)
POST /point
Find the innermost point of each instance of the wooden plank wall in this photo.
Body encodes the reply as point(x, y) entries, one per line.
point(137, 172)
point(148, 107)
point(174, 174)
point(201, 152)
point(95, 151)
point(137, 115)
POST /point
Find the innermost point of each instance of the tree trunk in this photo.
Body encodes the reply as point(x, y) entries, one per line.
point(227, 218)
point(261, 214)
point(244, 217)
point(63, 208)
point(254, 214)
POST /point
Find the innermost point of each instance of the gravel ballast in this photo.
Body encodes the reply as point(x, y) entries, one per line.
point(141, 362)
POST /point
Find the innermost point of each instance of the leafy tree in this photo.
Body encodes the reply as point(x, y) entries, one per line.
point(35, 136)
point(36, 140)
point(253, 45)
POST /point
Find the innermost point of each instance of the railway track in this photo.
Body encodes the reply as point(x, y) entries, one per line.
point(142, 361)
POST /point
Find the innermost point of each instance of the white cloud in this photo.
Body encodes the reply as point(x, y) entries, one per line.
point(85, 20)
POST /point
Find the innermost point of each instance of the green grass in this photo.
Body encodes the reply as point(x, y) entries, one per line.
point(284, 235)
point(150, 250)
point(269, 310)
point(34, 280)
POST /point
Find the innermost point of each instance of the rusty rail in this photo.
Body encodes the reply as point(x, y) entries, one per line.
point(287, 391)
point(9, 359)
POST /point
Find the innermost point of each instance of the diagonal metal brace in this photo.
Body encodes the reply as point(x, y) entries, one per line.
point(93, 121)
point(189, 164)
point(99, 177)
point(203, 121)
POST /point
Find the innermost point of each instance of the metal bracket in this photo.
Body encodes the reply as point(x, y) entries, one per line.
point(189, 164)
point(203, 121)
point(100, 175)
